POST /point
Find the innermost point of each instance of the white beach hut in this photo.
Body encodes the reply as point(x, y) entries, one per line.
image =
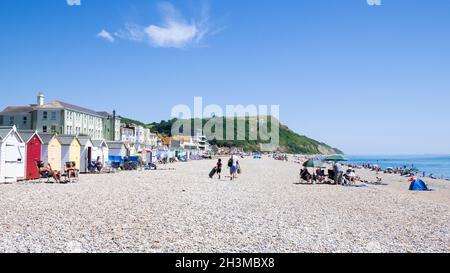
point(100, 150)
point(12, 155)
point(86, 151)
point(117, 148)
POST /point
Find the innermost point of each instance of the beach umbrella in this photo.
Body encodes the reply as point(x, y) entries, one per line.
point(313, 163)
point(335, 158)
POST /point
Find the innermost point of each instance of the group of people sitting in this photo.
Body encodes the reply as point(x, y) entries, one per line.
point(70, 171)
point(318, 177)
point(336, 175)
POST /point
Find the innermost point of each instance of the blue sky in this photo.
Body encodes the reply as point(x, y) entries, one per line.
point(366, 79)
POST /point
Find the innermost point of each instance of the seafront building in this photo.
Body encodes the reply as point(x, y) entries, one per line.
point(138, 138)
point(59, 117)
point(202, 141)
point(199, 142)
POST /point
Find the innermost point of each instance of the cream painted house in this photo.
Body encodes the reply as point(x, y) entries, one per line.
point(59, 117)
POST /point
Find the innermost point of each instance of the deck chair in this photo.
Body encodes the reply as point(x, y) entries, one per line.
point(306, 176)
point(43, 177)
point(71, 177)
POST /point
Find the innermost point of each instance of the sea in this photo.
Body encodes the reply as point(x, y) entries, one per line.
point(436, 165)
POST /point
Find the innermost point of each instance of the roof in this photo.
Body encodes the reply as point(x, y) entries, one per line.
point(5, 131)
point(28, 134)
point(17, 109)
point(64, 105)
point(99, 142)
point(104, 114)
point(67, 139)
point(182, 138)
point(55, 105)
point(116, 144)
point(84, 140)
point(46, 137)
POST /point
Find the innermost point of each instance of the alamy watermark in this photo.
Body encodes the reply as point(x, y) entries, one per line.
point(236, 122)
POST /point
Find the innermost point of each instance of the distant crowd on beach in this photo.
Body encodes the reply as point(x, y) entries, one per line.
point(404, 171)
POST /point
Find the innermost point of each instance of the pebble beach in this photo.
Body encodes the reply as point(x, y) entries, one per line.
point(179, 209)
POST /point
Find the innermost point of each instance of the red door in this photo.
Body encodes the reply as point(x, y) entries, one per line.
point(34, 147)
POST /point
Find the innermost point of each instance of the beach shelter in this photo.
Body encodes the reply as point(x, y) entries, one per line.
point(70, 150)
point(313, 163)
point(335, 158)
point(33, 153)
point(418, 185)
point(12, 155)
point(86, 156)
point(51, 151)
point(100, 150)
point(117, 148)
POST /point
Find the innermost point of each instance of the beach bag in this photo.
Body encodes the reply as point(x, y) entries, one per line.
point(213, 172)
point(239, 170)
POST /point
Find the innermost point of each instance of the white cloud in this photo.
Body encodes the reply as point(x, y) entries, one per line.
point(174, 31)
point(374, 2)
point(173, 34)
point(106, 35)
point(73, 2)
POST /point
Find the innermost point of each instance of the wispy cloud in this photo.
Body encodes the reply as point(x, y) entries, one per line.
point(175, 31)
point(106, 35)
point(73, 2)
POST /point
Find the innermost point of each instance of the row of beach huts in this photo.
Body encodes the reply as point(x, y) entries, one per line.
point(20, 150)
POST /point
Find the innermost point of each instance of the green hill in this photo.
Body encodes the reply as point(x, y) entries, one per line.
point(290, 142)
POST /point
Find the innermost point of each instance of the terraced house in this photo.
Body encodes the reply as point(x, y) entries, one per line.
point(62, 118)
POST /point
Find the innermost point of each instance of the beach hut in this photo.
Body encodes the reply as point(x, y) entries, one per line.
point(117, 148)
point(70, 150)
point(12, 155)
point(100, 150)
point(51, 151)
point(86, 156)
point(33, 153)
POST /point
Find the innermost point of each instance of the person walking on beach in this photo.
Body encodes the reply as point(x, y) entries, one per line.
point(338, 173)
point(233, 163)
point(219, 168)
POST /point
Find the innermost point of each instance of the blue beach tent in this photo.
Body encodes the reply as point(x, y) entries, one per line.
point(418, 185)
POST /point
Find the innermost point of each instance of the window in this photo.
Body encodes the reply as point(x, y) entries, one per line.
point(54, 129)
point(25, 119)
point(44, 115)
point(53, 117)
point(11, 121)
point(44, 129)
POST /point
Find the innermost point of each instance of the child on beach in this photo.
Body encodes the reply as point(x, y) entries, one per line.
point(219, 167)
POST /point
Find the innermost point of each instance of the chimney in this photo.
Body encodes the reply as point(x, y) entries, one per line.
point(40, 99)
